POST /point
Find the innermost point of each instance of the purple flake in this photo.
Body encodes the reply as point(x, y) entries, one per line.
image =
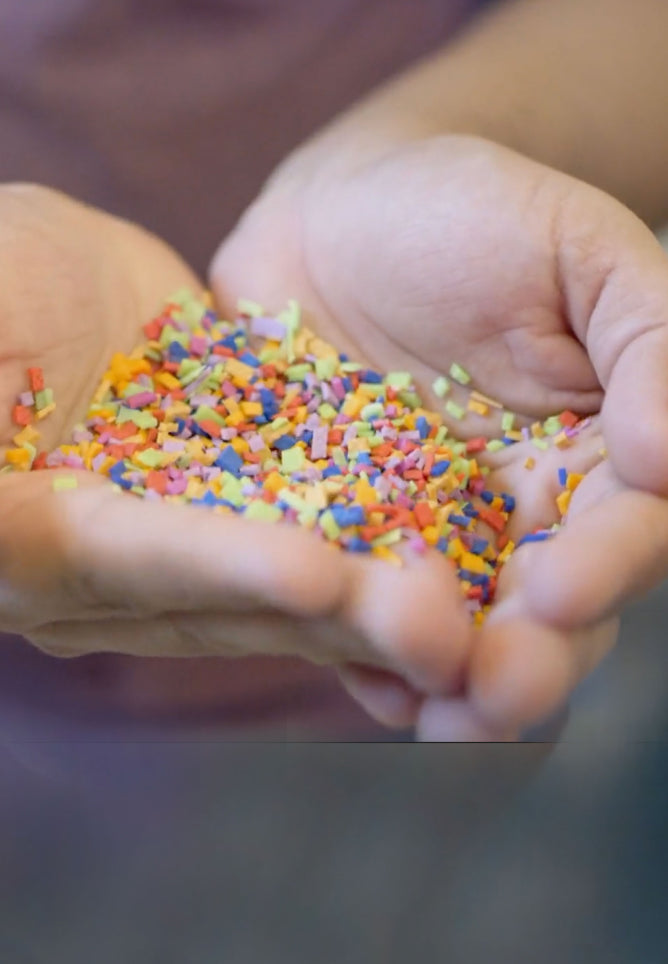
point(265, 327)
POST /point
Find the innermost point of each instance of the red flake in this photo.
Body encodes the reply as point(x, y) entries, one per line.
point(36, 379)
point(157, 481)
point(152, 329)
point(40, 461)
point(21, 415)
point(210, 427)
point(476, 445)
point(493, 519)
point(569, 419)
point(335, 436)
point(424, 515)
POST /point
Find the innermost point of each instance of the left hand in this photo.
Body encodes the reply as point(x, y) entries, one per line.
point(553, 296)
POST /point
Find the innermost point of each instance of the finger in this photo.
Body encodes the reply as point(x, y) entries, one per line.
point(90, 553)
point(616, 283)
point(91, 547)
point(386, 697)
point(457, 721)
point(522, 670)
point(613, 549)
point(415, 618)
point(189, 634)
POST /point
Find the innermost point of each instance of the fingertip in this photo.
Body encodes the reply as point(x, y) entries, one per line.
point(416, 619)
point(386, 698)
point(635, 412)
point(457, 721)
point(520, 673)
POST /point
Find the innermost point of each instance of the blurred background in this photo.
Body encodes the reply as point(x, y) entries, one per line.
point(206, 852)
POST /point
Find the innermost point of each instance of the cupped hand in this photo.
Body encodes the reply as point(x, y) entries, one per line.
point(553, 296)
point(92, 570)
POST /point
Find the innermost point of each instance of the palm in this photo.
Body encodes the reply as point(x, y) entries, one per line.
point(76, 286)
point(464, 253)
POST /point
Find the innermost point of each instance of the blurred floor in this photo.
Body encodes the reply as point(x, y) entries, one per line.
point(208, 853)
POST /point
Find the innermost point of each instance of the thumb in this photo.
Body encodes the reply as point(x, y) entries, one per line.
point(616, 286)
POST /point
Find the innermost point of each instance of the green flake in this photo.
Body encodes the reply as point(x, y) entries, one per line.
point(325, 368)
point(292, 460)
point(441, 386)
point(441, 434)
point(329, 525)
point(63, 482)
point(372, 411)
point(552, 425)
point(410, 399)
point(205, 413)
point(495, 445)
point(291, 318)
point(372, 389)
point(399, 380)
point(455, 410)
point(43, 399)
point(134, 388)
point(192, 312)
point(327, 411)
point(140, 419)
point(262, 511)
point(540, 443)
point(308, 515)
point(459, 374)
point(169, 334)
point(250, 308)
point(297, 373)
point(387, 539)
point(507, 421)
point(351, 366)
point(293, 500)
point(231, 490)
point(153, 458)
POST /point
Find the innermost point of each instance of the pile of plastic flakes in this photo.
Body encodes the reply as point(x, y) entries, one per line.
point(290, 429)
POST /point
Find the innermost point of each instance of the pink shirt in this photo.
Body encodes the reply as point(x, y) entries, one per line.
point(172, 113)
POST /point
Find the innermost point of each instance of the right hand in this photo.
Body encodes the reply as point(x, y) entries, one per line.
point(88, 570)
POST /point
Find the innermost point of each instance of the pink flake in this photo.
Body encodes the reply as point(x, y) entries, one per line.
point(198, 345)
point(319, 443)
point(338, 389)
point(176, 486)
point(140, 400)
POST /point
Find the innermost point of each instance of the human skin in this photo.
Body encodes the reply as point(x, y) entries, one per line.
point(553, 295)
point(89, 570)
point(504, 79)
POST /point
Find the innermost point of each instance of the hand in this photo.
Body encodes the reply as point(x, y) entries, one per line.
point(88, 570)
point(554, 297)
